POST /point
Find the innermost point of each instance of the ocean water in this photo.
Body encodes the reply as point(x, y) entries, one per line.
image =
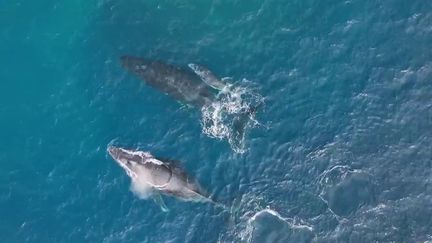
point(341, 150)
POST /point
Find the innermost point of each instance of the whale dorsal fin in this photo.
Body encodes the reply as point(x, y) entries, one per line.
point(207, 76)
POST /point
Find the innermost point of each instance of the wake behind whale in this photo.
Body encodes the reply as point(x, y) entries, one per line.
point(227, 111)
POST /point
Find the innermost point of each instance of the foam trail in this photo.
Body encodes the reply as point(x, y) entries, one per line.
point(268, 225)
point(230, 116)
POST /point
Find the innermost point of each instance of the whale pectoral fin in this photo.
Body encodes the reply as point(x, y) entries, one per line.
point(207, 76)
point(160, 202)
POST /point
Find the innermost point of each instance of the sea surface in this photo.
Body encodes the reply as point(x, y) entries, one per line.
point(340, 149)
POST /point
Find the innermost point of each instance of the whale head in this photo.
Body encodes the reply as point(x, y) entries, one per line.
point(126, 159)
point(134, 64)
point(141, 166)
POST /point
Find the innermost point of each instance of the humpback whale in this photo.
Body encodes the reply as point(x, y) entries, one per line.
point(221, 104)
point(195, 86)
point(151, 176)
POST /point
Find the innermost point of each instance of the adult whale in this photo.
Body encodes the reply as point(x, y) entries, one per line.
point(225, 113)
point(195, 86)
point(151, 176)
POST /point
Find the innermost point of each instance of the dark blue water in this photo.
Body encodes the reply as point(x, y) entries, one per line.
point(342, 151)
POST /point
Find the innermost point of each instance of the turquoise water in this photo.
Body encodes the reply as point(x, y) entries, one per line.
point(342, 152)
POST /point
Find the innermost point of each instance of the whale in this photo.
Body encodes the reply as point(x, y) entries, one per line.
point(195, 86)
point(151, 176)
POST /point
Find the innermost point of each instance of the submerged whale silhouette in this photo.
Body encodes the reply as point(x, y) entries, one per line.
point(194, 86)
point(151, 176)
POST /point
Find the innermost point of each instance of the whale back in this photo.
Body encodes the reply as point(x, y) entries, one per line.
point(181, 184)
point(181, 84)
point(158, 175)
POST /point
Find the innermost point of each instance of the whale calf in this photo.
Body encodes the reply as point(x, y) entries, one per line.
point(151, 176)
point(188, 85)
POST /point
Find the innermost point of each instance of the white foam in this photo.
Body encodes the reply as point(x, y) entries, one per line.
point(291, 222)
point(219, 118)
point(294, 224)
